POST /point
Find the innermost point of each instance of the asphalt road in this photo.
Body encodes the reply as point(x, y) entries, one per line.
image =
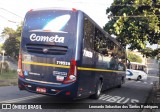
point(131, 92)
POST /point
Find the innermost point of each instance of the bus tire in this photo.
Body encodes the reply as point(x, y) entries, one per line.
point(122, 81)
point(138, 78)
point(98, 90)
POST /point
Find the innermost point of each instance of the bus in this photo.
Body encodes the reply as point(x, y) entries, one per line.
point(65, 53)
point(138, 66)
point(137, 71)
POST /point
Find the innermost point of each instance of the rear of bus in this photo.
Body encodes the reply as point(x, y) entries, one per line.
point(47, 62)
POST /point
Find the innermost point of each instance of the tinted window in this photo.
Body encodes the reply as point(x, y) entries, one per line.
point(88, 42)
point(88, 33)
point(50, 20)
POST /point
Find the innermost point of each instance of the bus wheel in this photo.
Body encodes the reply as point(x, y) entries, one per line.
point(98, 90)
point(138, 78)
point(122, 81)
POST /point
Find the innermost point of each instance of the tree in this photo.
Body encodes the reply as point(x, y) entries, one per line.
point(8, 32)
point(134, 22)
point(12, 43)
point(11, 46)
point(148, 52)
point(134, 58)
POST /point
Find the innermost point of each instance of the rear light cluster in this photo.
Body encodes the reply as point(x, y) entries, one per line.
point(72, 74)
point(19, 70)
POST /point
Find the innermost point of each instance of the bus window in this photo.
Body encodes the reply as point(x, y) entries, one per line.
point(138, 66)
point(88, 33)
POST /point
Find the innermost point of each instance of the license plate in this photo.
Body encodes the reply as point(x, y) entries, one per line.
point(41, 90)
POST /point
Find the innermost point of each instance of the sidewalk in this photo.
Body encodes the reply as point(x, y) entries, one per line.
point(154, 97)
point(157, 95)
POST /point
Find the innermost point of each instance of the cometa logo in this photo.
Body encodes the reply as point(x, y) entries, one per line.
point(56, 38)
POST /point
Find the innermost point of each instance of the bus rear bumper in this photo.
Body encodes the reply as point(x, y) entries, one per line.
point(63, 90)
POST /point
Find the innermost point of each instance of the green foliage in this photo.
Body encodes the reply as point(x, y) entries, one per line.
point(11, 74)
point(8, 78)
point(134, 58)
point(12, 43)
point(11, 47)
point(134, 22)
point(8, 32)
point(150, 52)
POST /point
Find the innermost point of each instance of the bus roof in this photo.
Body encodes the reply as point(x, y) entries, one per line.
point(54, 8)
point(138, 63)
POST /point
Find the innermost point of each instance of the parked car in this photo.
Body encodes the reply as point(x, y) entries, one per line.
point(136, 74)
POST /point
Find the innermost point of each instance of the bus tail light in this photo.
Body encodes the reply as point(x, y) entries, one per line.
point(68, 93)
point(72, 74)
point(19, 70)
point(74, 10)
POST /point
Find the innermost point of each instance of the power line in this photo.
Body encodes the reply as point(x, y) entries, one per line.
point(97, 3)
point(131, 5)
point(134, 4)
point(11, 12)
point(8, 19)
point(3, 17)
point(133, 16)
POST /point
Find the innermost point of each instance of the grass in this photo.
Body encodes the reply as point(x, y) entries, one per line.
point(8, 78)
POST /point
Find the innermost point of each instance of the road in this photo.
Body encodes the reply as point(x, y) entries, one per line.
point(131, 92)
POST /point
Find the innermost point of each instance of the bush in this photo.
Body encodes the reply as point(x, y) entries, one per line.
point(5, 66)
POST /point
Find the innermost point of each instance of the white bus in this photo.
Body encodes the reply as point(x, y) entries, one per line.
point(136, 71)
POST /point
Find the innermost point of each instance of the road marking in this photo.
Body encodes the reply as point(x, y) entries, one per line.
point(150, 83)
point(21, 99)
point(145, 82)
point(128, 82)
point(117, 99)
point(154, 76)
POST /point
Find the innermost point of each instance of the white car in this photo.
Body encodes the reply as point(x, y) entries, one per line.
point(136, 74)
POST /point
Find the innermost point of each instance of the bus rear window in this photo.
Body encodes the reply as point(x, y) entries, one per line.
point(58, 21)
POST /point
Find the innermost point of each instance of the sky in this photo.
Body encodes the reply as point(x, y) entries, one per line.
point(96, 9)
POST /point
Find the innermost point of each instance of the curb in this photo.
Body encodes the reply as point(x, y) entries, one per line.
point(152, 97)
point(149, 99)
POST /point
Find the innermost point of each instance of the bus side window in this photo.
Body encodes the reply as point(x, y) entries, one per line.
point(88, 33)
point(121, 59)
point(97, 40)
point(113, 54)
